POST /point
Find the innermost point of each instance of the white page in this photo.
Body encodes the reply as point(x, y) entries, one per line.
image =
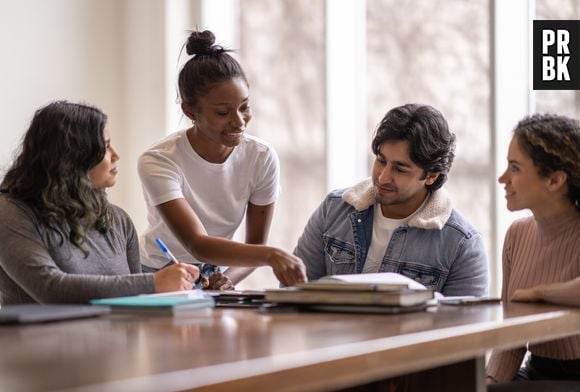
point(376, 278)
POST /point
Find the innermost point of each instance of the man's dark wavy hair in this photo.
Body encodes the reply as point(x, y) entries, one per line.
point(431, 144)
point(64, 141)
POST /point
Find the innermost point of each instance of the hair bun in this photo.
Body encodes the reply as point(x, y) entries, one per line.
point(202, 43)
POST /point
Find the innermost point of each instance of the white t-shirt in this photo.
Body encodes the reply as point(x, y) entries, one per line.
point(218, 192)
point(383, 229)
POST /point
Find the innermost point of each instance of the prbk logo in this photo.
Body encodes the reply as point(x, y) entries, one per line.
point(556, 53)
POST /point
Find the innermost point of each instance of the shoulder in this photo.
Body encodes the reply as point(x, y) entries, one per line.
point(461, 224)
point(255, 145)
point(166, 156)
point(335, 201)
point(13, 209)
point(17, 216)
point(166, 147)
point(120, 217)
point(119, 212)
point(519, 227)
point(336, 194)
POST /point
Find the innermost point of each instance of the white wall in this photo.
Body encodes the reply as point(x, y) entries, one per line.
point(119, 55)
point(50, 54)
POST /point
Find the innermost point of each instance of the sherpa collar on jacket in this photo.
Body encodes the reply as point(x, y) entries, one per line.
point(432, 215)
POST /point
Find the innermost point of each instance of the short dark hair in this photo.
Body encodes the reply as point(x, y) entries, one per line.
point(431, 144)
point(209, 65)
point(553, 143)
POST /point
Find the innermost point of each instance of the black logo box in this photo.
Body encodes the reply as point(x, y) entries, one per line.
point(573, 65)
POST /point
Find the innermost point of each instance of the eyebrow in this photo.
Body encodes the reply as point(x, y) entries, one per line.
point(399, 163)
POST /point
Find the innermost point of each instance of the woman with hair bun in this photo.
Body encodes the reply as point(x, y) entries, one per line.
point(200, 182)
point(62, 241)
point(541, 255)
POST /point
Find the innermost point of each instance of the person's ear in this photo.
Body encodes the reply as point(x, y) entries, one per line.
point(431, 178)
point(557, 180)
point(189, 111)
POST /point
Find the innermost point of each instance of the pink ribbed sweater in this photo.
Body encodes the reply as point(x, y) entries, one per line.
point(538, 252)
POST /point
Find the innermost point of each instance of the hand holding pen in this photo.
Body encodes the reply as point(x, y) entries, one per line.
point(205, 269)
point(209, 274)
point(182, 274)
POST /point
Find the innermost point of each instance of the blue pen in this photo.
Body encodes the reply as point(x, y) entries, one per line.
point(170, 257)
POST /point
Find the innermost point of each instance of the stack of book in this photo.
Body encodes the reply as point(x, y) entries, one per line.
point(369, 293)
point(237, 298)
point(176, 303)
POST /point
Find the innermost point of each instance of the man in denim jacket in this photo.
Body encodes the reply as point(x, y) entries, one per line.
point(401, 220)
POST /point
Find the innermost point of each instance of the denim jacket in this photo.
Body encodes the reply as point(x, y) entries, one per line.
point(438, 247)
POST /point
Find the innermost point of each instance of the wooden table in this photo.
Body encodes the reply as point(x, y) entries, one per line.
point(243, 350)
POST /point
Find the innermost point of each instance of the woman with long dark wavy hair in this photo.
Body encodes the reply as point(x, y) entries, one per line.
point(62, 241)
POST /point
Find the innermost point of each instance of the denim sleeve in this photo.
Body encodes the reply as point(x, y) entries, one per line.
point(310, 247)
point(469, 272)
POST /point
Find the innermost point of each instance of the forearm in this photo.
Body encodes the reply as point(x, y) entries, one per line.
point(46, 286)
point(220, 251)
point(189, 230)
point(82, 288)
point(563, 293)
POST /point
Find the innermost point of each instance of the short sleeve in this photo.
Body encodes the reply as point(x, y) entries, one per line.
point(162, 179)
point(267, 184)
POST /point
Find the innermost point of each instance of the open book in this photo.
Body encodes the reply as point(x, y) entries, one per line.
point(382, 281)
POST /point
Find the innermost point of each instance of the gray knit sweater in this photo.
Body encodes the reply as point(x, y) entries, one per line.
point(36, 267)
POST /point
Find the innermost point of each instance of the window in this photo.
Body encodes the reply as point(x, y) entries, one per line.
point(437, 53)
point(282, 51)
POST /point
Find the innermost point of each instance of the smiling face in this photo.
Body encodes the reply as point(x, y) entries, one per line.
point(104, 174)
point(524, 187)
point(399, 183)
point(221, 116)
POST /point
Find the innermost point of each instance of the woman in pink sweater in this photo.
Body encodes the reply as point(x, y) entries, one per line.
point(541, 254)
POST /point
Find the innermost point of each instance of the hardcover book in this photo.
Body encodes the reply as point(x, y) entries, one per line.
point(401, 297)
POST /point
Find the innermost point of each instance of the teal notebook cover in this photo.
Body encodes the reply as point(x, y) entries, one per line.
point(152, 301)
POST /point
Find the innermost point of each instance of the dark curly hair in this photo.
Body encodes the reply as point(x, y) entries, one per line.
point(553, 143)
point(431, 144)
point(64, 141)
point(209, 65)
